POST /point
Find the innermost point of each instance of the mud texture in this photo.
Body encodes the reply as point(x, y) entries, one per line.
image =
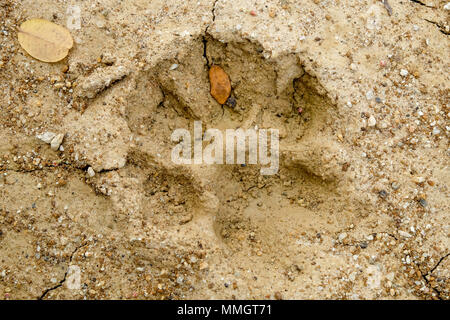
point(359, 209)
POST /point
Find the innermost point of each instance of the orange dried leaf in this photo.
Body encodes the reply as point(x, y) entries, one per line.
point(220, 84)
point(45, 40)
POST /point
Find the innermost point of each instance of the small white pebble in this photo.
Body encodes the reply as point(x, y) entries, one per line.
point(57, 141)
point(342, 236)
point(404, 234)
point(90, 172)
point(372, 121)
point(47, 137)
point(436, 130)
point(404, 72)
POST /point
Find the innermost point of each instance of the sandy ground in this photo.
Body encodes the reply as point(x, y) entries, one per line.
point(358, 210)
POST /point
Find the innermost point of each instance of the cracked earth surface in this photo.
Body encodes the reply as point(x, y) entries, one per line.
point(358, 210)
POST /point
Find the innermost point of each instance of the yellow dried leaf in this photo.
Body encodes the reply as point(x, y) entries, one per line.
point(45, 40)
point(220, 84)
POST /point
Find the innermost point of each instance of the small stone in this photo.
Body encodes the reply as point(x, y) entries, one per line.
point(404, 72)
point(372, 121)
point(395, 185)
point(278, 296)
point(47, 137)
point(423, 202)
point(404, 234)
point(173, 67)
point(390, 276)
point(419, 180)
point(56, 141)
point(383, 194)
point(384, 125)
point(90, 172)
point(342, 236)
point(363, 245)
point(231, 102)
point(447, 6)
point(436, 131)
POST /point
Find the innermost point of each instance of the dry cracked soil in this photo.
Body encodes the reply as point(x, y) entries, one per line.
point(359, 209)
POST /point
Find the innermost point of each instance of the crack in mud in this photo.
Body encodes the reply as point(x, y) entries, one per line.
point(205, 55)
point(421, 3)
point(437, 265)
point(65, 274)
point(425, 275)
point(205, 42)
point(440, 27)
point(50, 168)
